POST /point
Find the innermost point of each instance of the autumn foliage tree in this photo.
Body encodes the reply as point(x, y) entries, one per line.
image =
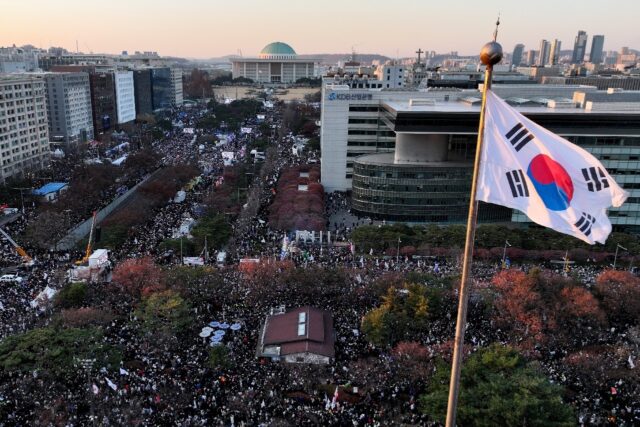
point(619, 295)
point(540, 307)
point(403, 315)
point(138, 276)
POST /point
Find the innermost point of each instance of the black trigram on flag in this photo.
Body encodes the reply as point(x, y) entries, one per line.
point(585, 223)
point(519, 136)
point(596, 179)
point(517, 183)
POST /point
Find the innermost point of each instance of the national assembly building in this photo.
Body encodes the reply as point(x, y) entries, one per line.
point(407, 155)
point(277, 63)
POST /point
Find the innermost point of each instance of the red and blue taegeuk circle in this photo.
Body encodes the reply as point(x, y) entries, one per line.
point(551, 181)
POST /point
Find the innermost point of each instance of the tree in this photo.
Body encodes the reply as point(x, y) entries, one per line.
point(56, 351)
point(412, 362)
point(138, 276)
point(164, 312)
point(215, 228)
point(47, 230)
point(72, 295)
point(403, 315)
point(541, 307)
point(619, 295)
point(219, 357)
point(497, 387)
point(81, 317)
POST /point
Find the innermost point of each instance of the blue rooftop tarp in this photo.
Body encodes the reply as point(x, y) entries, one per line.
point(49, 188)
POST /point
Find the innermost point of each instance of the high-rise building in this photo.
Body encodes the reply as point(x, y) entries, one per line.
point(516, 57)
point(579, 48)
point(597, 45)
point(125, 96)
point(545, 50)
point(531, 57)
point(176, 81)
point(554, 55)
point(103, 97)
point(162, 88)
point(69, 106)
point(24, 135)
point(143, 91)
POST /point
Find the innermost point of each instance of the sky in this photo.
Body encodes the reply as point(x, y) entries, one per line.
point(396, 28)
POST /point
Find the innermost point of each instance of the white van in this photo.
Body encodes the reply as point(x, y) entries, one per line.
point(10, 278)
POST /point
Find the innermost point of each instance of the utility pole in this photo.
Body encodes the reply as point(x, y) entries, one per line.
point(21, 195)
point(398, 251)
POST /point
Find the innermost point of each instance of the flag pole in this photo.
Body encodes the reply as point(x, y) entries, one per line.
point(490, 55)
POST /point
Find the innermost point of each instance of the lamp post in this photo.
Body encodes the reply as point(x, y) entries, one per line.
point(615, 258)
point(21, 195)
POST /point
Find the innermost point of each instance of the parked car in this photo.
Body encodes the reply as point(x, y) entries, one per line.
point(10, 278)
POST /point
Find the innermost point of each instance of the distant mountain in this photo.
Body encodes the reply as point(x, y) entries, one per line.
point(332, 58)
point(325, 58)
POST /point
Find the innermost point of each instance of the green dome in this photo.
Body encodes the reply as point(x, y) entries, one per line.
point(277, 48)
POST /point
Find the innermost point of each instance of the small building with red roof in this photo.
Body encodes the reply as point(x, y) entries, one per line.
point(299, 335)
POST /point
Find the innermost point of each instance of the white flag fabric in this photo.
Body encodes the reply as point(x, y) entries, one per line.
point(124, 371)
point(554, 182)
point(111, 384)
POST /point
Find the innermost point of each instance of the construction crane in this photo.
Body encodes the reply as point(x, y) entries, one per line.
point(87, 252)
point(25, 257)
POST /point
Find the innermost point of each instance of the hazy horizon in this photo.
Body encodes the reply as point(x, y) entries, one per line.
point(192, 28)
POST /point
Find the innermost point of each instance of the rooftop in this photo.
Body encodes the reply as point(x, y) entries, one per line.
point(277, 49)
point(303, 329)
point(49, 188)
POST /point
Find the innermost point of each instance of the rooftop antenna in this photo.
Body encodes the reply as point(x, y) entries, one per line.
point(77, 50)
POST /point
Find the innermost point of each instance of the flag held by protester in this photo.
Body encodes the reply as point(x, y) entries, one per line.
point(554, 182)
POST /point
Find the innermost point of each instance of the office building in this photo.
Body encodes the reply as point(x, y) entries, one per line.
point(24, 134)
point(143, 92)
point(545, 50)
point(579, 48)
point(125, 96)
point(554, 54)
point(162, 89)
point(597, 47)
point(423, 170)
point(18, 60)
point(391, 74)
point(69, 107)
point(516, 57)
point(351, 124)
point(531, 57)
point(176, 80)
point(103, 99)
point(277, 63)
point(600, 82)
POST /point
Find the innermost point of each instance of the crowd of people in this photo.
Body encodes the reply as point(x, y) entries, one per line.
point(167, 379)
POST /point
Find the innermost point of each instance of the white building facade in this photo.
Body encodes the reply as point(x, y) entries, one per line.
point(24, 134)
point(177, 97)
point(352, 126)
point(125, 96)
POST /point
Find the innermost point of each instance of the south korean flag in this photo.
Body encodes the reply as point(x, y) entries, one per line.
point(554, 182)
